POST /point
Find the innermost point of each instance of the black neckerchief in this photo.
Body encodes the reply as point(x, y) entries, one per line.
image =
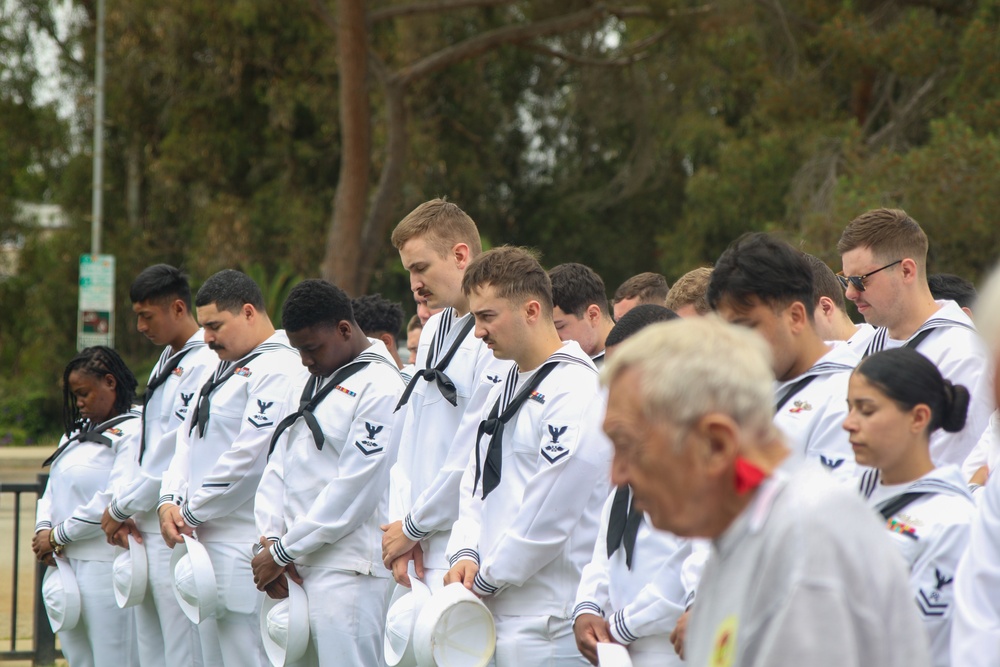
point(204, 406)
point(154, 384)
point(312, 398)
point(444, 383)
point(623, 524)
point(91, 433)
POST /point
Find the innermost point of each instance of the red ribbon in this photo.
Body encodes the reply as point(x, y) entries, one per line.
point(748, 476)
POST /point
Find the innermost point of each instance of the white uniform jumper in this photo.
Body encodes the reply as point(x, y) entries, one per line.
point(323, 503)
point(170, 393)
point(960, 354)
point(535, 531)
point(811, 409)
point(985, 453)
point(83, 476)
point(427, 476)
point(975, 633)
point(805, 575)
point(213, 478)
point(932, 533)
point(644, 601)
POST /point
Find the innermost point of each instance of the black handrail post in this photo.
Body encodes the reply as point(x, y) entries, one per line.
point(44, 638)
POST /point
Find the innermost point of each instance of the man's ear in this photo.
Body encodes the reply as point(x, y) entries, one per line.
point(797, 315)
point(717, 437)
point(532, 310)
point(827, 306)
point(177, 308)
point(345, 330)
point(462, 255)
point(908, 269)
point(593, 314)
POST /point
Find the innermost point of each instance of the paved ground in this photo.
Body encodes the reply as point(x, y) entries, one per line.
point(18, 465)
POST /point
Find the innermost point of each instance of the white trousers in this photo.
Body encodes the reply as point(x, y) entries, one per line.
point(232, 637)
point(159, 616)
point(536, 641)
point(346, 617)
point(654, 651)
point(105, 634)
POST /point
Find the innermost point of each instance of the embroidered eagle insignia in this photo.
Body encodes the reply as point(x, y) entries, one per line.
point(260, 420)
point(553, 450)
point(831, 464)
point(369, 445)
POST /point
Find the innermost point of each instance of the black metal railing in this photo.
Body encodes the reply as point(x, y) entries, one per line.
point(43, 641)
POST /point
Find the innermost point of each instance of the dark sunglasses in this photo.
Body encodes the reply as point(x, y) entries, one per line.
point(859, 281)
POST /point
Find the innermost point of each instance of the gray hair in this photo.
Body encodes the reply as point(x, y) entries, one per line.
point(691, 367)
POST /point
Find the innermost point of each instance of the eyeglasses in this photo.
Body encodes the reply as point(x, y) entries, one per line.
point(859, 281)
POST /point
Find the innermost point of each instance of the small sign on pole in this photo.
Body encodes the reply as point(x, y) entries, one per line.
point(96, 312)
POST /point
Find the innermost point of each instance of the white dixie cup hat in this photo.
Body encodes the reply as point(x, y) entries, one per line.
point(194, 580)
point(454, 629)
point(284, 625)
point(61, 596)
point(130, 573)
point(401, 618)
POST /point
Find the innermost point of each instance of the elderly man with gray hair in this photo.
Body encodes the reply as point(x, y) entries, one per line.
point(801, 572)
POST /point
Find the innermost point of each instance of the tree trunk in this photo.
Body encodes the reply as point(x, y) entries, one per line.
point(384, 205)
point(343, 243)
point(133, 183)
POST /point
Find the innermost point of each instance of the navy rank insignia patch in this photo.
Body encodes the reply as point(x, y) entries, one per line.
point(933, 603)
point(243, 372)
point(370, 445)
point(493, 378)
point(261, 419)
point(181, 412)
point(179, 371)
point(800, 406)
point(830, 464)
point(554, 450)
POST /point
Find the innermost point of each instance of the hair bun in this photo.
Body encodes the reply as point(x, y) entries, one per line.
point(956, 407)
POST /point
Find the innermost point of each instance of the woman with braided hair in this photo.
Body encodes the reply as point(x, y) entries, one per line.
point(896, 400)
point(94, 455)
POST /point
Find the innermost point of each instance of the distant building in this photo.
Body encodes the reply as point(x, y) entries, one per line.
point(47, 218)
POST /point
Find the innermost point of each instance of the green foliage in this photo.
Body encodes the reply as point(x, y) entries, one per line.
point(275, 287)
point(223, 141)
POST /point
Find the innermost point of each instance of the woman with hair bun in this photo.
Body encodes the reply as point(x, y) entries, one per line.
point(896, 400)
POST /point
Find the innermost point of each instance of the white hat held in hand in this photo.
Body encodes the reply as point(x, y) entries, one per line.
point(284, 625)
point(194, 580)
point(404, 607)
point(61, 596)
point(129, 574)
point(454, 629)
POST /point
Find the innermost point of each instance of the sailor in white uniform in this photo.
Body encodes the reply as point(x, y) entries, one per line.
point(93, 459)
point(580, 308)
point(767, 285)
point(436, 241)
point(161, 300)
point(898, 398)
point(221, 451)
point(640, 580)
point(884, 255)
point(533, 491)
point(325, 490)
